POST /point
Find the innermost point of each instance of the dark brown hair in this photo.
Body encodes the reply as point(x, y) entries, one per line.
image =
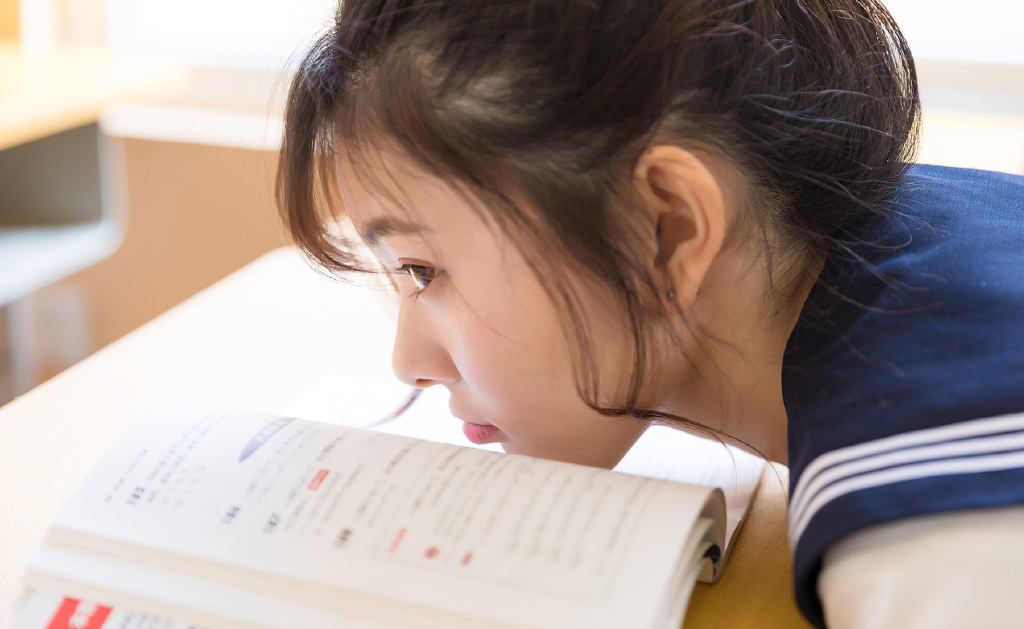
point(814, 104)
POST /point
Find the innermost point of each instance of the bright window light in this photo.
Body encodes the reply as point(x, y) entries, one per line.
point(271, 33)
point(241, 33)
point(980, 31)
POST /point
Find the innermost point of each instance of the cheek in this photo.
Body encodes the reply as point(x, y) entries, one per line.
point(516, 372)
point(508, 342)
point(507, 345)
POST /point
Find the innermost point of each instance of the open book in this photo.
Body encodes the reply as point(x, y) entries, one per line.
point(218, 518)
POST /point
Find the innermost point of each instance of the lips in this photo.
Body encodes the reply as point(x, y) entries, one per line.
point(476, 433)
point(480, 433)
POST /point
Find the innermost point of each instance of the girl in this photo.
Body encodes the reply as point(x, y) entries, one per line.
point(603, 214)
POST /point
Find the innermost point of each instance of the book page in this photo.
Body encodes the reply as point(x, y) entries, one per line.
point(370, 513)
point(45, 610)
point(661, 452)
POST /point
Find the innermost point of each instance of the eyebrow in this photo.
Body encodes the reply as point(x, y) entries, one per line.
point(382, 226)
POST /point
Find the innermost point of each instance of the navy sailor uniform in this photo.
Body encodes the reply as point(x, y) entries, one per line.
point(904, 377)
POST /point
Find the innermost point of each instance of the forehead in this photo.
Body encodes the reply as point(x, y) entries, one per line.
point(387, 195)
point(380, 226)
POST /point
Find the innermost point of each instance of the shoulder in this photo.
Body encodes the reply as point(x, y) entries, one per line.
point(936, 571)
point(944, 185)
point(904, 378)
point(954, 209)
point(917, 311)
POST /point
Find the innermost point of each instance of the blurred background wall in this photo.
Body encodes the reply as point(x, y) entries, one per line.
point(187, 165)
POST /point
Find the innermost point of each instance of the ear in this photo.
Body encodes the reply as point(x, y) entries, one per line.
point(687, 205)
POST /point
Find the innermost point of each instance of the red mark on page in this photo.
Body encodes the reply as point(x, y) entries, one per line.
point(319, 478)
point(74, 614)
point(398, 540)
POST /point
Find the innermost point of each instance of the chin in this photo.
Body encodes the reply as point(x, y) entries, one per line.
point(509, 449)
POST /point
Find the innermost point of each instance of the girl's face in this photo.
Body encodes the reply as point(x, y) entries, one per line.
point(474, 318)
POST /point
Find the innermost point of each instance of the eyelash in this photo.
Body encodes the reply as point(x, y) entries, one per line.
point(421, 274)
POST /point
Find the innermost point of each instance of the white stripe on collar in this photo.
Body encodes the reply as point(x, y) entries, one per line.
point(973, 446)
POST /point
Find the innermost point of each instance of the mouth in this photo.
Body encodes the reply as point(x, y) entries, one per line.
point(480, 433)
point(476, 433)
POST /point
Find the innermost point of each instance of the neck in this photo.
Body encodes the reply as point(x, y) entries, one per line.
point(738, 362)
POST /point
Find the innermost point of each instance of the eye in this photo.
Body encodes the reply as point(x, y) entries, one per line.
point(420, 274)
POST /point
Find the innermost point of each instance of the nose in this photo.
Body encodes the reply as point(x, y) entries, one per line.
point(420, 358)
